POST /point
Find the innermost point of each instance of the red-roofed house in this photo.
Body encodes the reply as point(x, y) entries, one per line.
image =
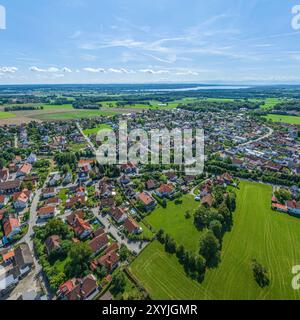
point(279, 207)
point(24, 170)
point(99, 243)
point(109, 260)
point(165, 191)
point(46, 212)
point(147, 200)
point(21, 199)
point(82, 228)
point(11, 227)
point(118, 214)
point(78, 289)
point(132, 226)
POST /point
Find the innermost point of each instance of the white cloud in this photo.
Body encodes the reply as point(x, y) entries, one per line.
point(150, 71)
point(50, 69)
point(8, 69)
point(94, 70)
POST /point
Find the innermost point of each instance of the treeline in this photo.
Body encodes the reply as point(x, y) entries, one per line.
point(194, 265)
point(288, 106)
point(216, 106)
point(278, 178)
point(22, 108)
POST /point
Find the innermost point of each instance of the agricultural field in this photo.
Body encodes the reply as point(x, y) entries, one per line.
point(58, 106)
point(284, 119)
point(172, 220)
point(78, 114)
point(258, 233)
point(95, 130)
point(6, 115)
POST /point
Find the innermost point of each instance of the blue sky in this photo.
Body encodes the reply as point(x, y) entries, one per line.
point(139, 41)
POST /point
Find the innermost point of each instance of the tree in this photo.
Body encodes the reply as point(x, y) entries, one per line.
point(118, 283)
point(161, 236)
point(124, 253)
point(260, 274)
point(78, 265)
point(188, 214)
point(170, 244)
point(216, 227)
point(283, 195)
point(227, 216)
point(231, 201)
point(209, 249)
point(180, 253)
point(201, 217)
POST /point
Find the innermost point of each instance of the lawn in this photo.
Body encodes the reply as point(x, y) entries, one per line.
point(173, 221)
point(258, 233)
point(78, 114)
point(95, 130)
point(6, 115)
point(283, 119)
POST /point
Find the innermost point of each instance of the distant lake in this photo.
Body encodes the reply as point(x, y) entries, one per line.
point(199, 88)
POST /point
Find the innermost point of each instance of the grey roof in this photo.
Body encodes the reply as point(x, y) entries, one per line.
point(23, 256)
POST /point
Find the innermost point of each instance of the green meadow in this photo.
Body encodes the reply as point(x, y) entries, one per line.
point(6, 115)
point(96, 129)
point(259, 233)
point(283, 119)
point(172, 220)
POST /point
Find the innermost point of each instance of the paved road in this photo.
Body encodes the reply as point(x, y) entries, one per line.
point(88, 140)
point(267, 135)
point(29, 283)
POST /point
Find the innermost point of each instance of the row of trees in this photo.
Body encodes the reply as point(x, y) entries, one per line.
point(194, 265)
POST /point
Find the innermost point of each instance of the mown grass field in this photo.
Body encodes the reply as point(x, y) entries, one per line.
point(283, 119)
point(173, 221)
point(258, 233)
point(96, 129)
point(6, 115)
